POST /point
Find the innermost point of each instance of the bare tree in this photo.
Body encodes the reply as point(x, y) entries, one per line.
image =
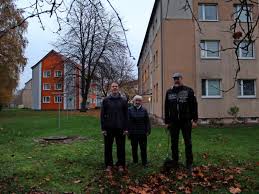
point(118, 68)
point(90, 35)
point(56, 9)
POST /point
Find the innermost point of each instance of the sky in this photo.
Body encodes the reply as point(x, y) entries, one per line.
point(134, 13)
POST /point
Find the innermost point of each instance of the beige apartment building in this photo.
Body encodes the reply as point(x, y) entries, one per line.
point(173, 43)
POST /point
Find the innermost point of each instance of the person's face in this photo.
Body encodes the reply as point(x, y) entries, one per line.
point(138, 102)
point(114, 88)
point(178, 81)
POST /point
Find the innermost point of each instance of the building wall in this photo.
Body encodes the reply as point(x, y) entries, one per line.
point(36, 87)
point(224, 68)
point(52, 62)
point(27, 95)
point(181, 53)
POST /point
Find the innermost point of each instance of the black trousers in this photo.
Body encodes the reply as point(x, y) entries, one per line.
point(108, 144)
point(140, 140)
point(186, 128)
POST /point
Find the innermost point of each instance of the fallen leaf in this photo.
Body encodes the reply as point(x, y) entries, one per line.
point(77, 181)
point(234, 190)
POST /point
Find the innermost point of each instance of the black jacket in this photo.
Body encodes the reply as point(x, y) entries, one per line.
point(114, 113)
point(180, 104)
point(138, 121)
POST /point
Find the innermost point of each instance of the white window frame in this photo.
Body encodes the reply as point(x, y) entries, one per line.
point(44, 99)
point(57, 72)
point(207, 89)
point(244, 57)
point(46, 89)
point(205, 50)
point(56, 86)
point(242, 89)
point(45, 73)
point(58, 101)
point(236, 13)
point(203, 5)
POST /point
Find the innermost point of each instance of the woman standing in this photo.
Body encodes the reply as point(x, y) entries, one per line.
point(138, 128)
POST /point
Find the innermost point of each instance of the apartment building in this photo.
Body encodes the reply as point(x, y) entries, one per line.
point(173, 43)
point(51, 88)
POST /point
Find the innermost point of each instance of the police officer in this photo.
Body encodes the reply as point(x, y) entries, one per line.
point(181, 113)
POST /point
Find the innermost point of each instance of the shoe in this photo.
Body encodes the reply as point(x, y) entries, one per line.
point(189, 169)
point(108, 169)
point(121, 169)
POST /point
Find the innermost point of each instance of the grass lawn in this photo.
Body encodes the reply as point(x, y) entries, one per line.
point(27, 165)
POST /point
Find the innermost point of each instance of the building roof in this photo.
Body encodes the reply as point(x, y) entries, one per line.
point(28, 81)
point(51, 52)
point(148, 28)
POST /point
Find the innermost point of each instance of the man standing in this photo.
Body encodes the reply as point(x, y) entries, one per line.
point(181, 113)
point(114, 117)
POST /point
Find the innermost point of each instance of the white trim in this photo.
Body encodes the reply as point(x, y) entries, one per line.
point(242, 96)
point(46, 102)
point(56, 86)
point(45, 72)
point(203, 5)
point(46, 89)
point(207, 90)
point(55, 73)
point(65, 87)
point(58, 102)
point(251, 11)
point(206, 50)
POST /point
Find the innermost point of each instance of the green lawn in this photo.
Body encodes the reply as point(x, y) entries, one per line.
point(27, 165)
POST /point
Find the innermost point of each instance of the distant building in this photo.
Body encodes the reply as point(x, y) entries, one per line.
point(51, 88)
point(27, 95)
point(55, 84)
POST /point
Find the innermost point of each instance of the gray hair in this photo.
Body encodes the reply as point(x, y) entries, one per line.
point(137, 97)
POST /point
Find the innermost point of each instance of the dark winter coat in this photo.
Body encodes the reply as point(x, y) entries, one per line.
point(114, 113)
point(139, 122)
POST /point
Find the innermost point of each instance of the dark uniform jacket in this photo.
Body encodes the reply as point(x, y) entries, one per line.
point(180, 104)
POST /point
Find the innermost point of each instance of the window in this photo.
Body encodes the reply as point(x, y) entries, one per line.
point(156, 59)
point(58, 99)
point(58, 86)
point(157, 92)
point(246, 50)
point(58, 73)
point(244, 14)
point(246, 88)
point(211, 88)
point(208, 12)
point(47, 74)
point(46, 86)
point(46, 99)
point(209, 49)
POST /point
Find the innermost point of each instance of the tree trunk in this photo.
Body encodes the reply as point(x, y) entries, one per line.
point(85, 97)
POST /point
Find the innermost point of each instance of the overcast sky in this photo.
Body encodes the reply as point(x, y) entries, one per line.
point(135, 15)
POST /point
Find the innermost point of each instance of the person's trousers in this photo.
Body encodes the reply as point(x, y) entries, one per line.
point(108, 144)
point(140, 140)
point(186, 128)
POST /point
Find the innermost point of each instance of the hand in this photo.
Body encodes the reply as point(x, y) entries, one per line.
point(194, 124)
point(125, 133)
point(104, 133)
point(169, 126)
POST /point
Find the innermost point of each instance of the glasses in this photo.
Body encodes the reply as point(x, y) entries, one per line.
point(176, 78)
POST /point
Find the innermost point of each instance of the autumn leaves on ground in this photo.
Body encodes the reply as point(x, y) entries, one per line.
point(38, 157)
